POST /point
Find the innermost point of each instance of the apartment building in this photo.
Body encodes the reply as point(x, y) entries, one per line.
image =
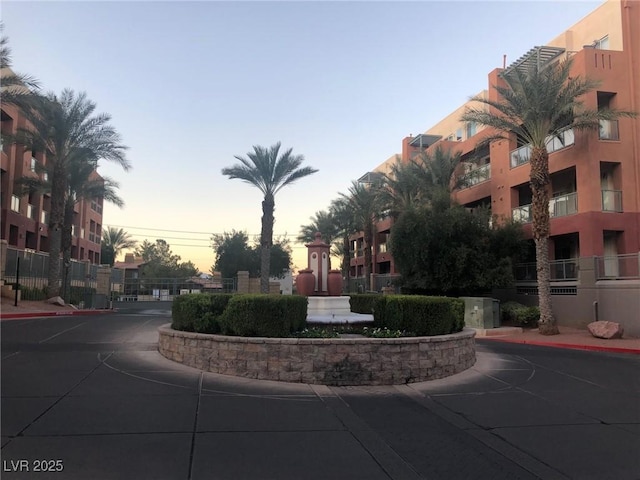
point(25, 217)
point(595, 175)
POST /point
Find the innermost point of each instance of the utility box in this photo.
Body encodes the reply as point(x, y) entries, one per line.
point(481, 312)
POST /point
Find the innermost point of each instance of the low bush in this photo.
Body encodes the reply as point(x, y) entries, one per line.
point(199, 312)
point(259, 315)
point(363, 302)
point(514, 313)
point(421, 315)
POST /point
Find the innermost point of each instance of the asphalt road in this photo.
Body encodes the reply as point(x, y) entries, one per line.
point(89, 397)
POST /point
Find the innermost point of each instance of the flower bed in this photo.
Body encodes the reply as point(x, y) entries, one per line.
point(326, 361)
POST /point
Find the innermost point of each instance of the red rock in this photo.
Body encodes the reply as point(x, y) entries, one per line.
point(606, 330)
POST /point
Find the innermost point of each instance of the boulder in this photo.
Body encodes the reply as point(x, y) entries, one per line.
point(56, 301)
point(606, 330)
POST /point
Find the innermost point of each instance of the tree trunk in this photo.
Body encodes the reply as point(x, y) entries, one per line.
point(56, 222)
point(346, 259)
point(540, 182)
point(266, 239)
point(66, 242)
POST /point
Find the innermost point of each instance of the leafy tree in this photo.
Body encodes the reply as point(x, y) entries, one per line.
point(269, 171)
point(535, 105)
point(346, 226)
point(161, 262)
point(66, 128)
point(402, 188)
point(234, 254)
point(446, 250)
point(114, 241)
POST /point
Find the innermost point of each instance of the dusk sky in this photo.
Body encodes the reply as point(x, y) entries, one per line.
point(191, 84)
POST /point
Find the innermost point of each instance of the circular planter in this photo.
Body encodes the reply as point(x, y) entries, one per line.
point(325, 361)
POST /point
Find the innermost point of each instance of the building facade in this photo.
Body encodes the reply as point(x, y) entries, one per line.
point(595, 175)
point(25, 216)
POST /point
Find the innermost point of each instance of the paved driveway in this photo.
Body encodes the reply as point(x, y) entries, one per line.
point(91, 396)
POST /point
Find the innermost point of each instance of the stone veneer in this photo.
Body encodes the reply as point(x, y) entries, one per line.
point(327, 361)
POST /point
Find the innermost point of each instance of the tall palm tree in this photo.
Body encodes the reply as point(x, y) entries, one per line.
point(535, 105)
point(345, 225)
point(364, 202)
point(436, 171)
point(114, 241)
point(66, 129)
point(322, 222)
point(269, 171)
point(402, 188)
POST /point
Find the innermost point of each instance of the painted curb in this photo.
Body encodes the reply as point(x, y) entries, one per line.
point(572, 346)
point(65, 313)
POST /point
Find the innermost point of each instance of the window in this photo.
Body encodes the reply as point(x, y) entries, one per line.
point(34, 162)
point(15, 203)
point(45, 177)
point(602, 44)
point(471, 128)
point(459, 135)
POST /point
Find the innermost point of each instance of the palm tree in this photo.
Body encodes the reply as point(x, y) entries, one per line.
point(364, 202)
point(269, 171)
point(322, 222)
point(114, 241)
point(436, 171)
point(66, 128)
point(402, 188)
point(535, 105)
point(17, 89)
point(345, 225)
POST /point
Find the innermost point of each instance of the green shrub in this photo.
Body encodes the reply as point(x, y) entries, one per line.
point(519, 315)
point(421, 315)
point(363, 302)
point(259, 315)
point(80, 294)
point(198, 312)
point(32, 293)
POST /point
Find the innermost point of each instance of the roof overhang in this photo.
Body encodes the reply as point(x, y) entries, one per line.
point(423, 140)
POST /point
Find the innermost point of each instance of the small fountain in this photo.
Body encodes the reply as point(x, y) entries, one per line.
point(323, 287)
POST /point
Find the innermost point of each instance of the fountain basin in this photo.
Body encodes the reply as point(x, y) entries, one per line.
point(333, 310)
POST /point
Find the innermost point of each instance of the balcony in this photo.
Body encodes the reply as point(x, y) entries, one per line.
point(559, 206)
point(625, 266)
point(522, 155)
point(611, 200)
point(560, 271)
point(609, 130)
point(476, 176)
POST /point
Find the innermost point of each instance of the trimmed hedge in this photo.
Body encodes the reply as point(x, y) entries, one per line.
point(519, 315)
point(199, 312)
point(363, 302)
point(420, 315)
point(259, 315)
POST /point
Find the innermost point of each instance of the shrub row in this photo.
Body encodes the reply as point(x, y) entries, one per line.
point(415, 314)
point(519, 315)
point(247, 315)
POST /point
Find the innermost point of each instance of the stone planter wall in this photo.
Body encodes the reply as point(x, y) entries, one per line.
point(326, 361)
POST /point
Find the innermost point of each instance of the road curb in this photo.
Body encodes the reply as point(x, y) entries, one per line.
point(572, 346)
point(64, 313)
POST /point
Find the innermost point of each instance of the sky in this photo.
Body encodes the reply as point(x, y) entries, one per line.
point(190, 85)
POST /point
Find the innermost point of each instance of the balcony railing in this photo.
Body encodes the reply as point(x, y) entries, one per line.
point(522, 155)
point(563, 205)
point(609, 130)
point(559, 206)
point(476, 176)
point(611, 201)
point(626, 266)
point(560, 271)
